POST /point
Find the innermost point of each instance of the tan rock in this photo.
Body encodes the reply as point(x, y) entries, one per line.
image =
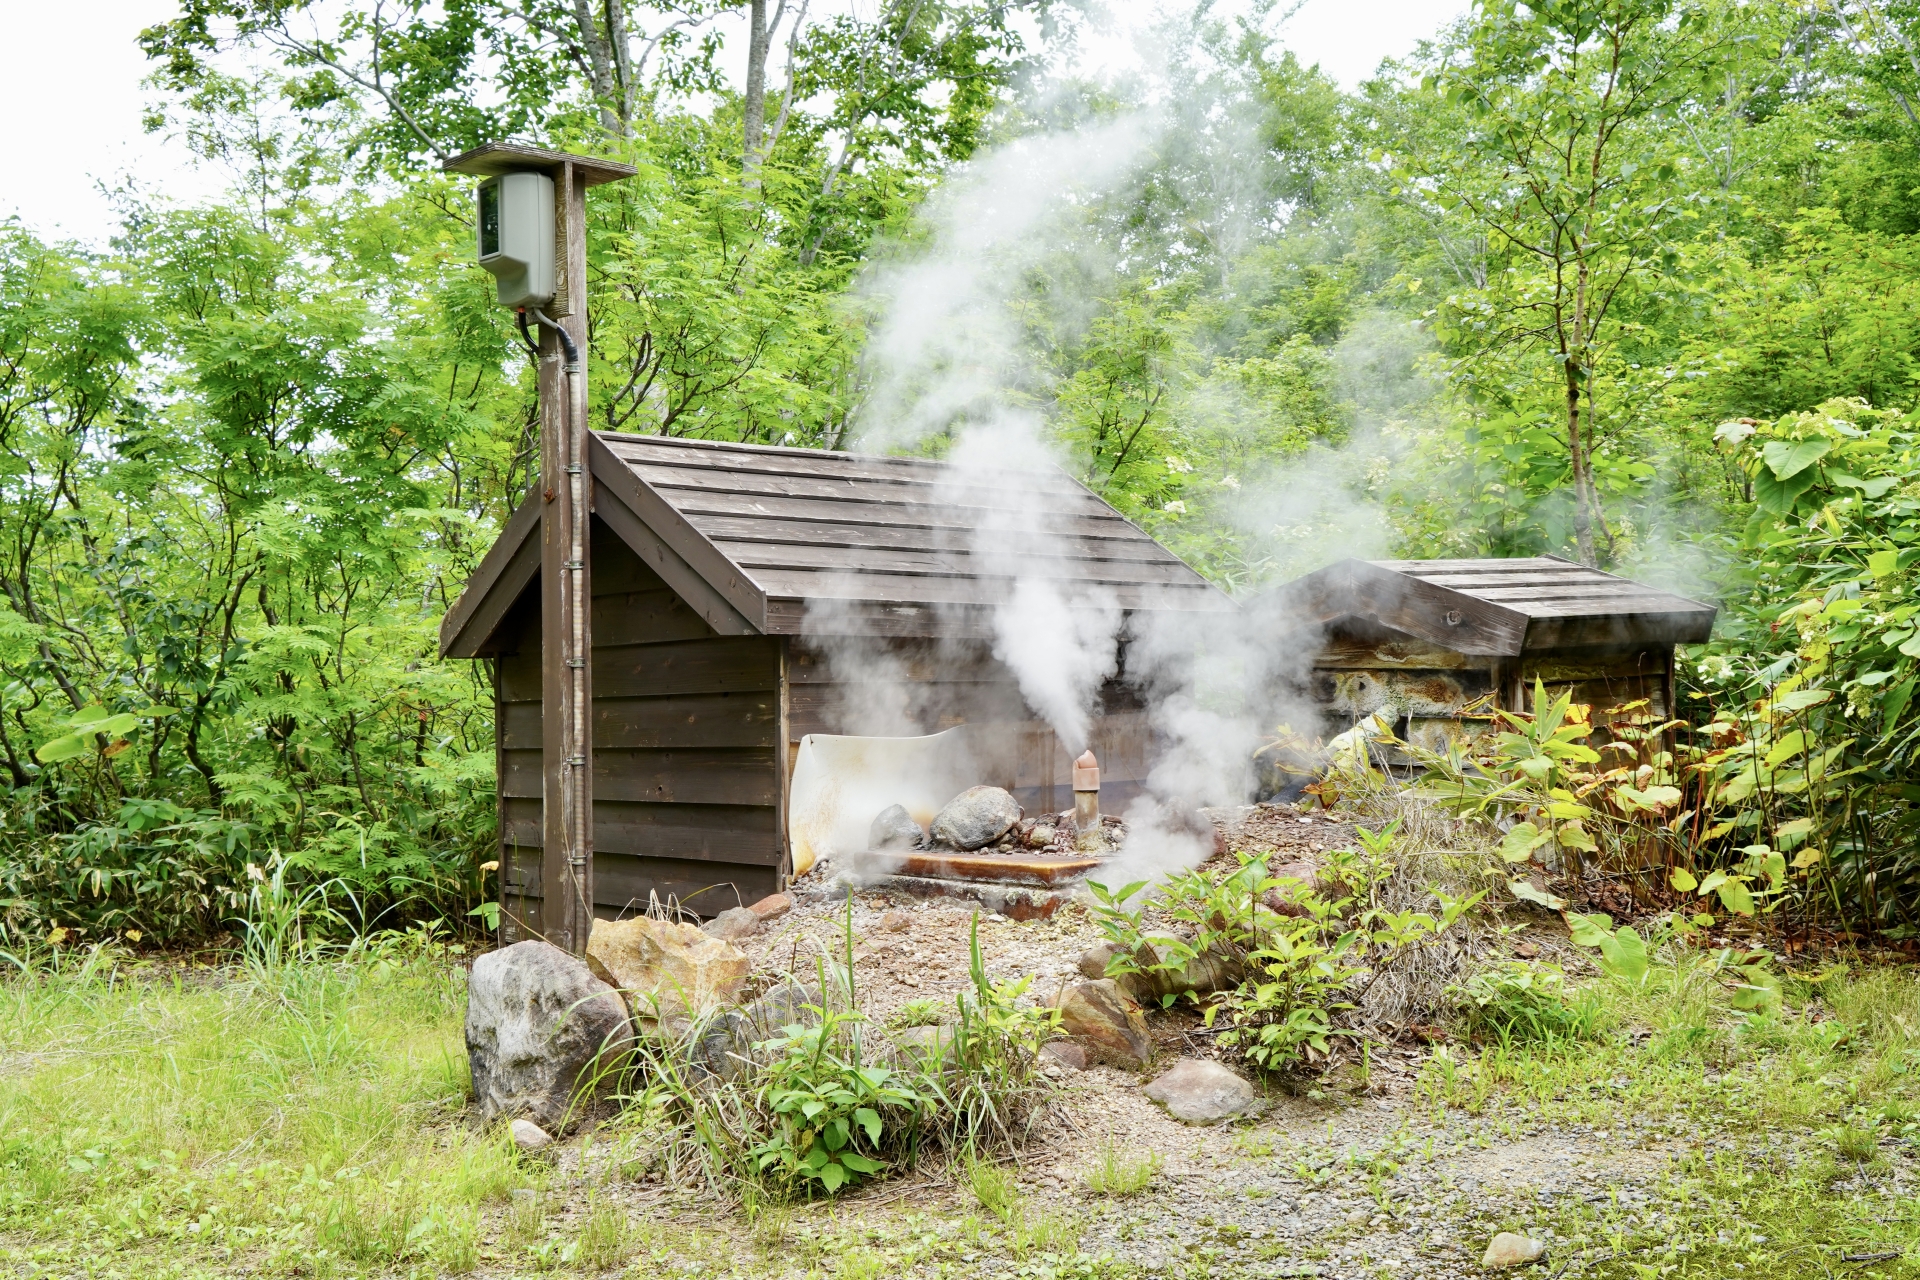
point(1510, 1250)
point(1104, 1016)
point(530, 1137)
point(1065, 1052)
point(772, 907)
point(669, 973)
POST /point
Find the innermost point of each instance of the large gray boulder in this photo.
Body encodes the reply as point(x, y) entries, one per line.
point(975, 818)
point(542, 1032)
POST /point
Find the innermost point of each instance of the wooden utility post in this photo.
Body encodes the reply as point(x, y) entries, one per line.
point(566, 589)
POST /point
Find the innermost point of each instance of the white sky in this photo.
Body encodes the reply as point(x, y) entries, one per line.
point(73, 73)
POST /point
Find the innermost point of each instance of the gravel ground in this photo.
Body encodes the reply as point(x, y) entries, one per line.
point(1338, 1184)
point(1356, 1178)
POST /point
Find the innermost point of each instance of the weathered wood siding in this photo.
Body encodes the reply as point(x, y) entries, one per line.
point(886, 686)
point(1364, 668)
point(686, 753)
point(516, 730)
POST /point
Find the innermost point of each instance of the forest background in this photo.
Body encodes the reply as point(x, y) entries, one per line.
point(1632, 281)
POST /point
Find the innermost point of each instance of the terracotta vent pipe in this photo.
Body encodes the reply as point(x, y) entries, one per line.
point(1086, 793)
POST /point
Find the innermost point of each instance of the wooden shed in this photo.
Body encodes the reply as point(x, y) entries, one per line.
point(744, 596)
point(1425, 639)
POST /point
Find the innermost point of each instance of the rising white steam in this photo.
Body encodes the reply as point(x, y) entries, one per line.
point(949, 364)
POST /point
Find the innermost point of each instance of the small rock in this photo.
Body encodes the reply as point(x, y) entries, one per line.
point(1041, 836)
point(1065, 1052)
point(1108, 1019)
point(894, 829)
point(975, 818)
point(894, 922)
point(1093, 961)
point(1197, 1091)
point(540, 1028)
point(530, 1137)
point(732, 925)
point(772, 907)
point(1510, 1250)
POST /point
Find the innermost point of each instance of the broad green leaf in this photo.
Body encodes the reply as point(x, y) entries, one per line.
point(64, 748)
point(1788, 834)
point(1777, 497)
point(1790, 744)
point(1652, 800)
point(1735, 897)
point(1683, 881)
point(1624, 953)
point(1587, 930)
point(1518, 844)
point(1523, 889)
point(1789, 458)
point(1574, 836)
point(1882, 563)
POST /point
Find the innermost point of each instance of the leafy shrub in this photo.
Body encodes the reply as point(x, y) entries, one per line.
point(1295, 971)
point(1522, 1001)
point(832, 1100)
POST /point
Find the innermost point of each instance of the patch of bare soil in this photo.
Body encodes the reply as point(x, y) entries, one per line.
point(1292, 833)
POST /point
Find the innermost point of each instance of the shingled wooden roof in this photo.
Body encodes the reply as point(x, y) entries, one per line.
point(756, 537)
point(1498, 607)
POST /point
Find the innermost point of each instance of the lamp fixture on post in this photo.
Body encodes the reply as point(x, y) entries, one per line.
point(530, 225)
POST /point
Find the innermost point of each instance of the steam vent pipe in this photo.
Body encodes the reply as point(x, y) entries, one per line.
point(1086, 796)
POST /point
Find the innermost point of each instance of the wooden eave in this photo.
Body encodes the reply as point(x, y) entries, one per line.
point(1498, 608)
point(762, 540)
point(491, 158)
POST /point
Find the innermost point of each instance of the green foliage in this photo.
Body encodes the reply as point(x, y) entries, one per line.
point(1521, 1001)
point(1118, 1172)
point(831, 1101)
point(1301, 954)
point(827, 1109)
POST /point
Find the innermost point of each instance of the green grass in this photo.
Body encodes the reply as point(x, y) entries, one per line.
point(1118, 1172)
point(309, 1120)
point(181, 1122)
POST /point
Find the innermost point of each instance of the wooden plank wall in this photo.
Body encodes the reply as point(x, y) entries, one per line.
point(883, 686)
point(1364, 669)
point(516, 730)
point(686, 744)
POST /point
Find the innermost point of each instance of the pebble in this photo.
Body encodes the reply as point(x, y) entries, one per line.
point(1510, 1250)
point(530, 1137)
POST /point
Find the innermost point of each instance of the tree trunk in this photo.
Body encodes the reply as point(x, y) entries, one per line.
point(622, 60)
point(599, 65)
point(753, 113)
point(1582, 481)
point(1575, 355)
